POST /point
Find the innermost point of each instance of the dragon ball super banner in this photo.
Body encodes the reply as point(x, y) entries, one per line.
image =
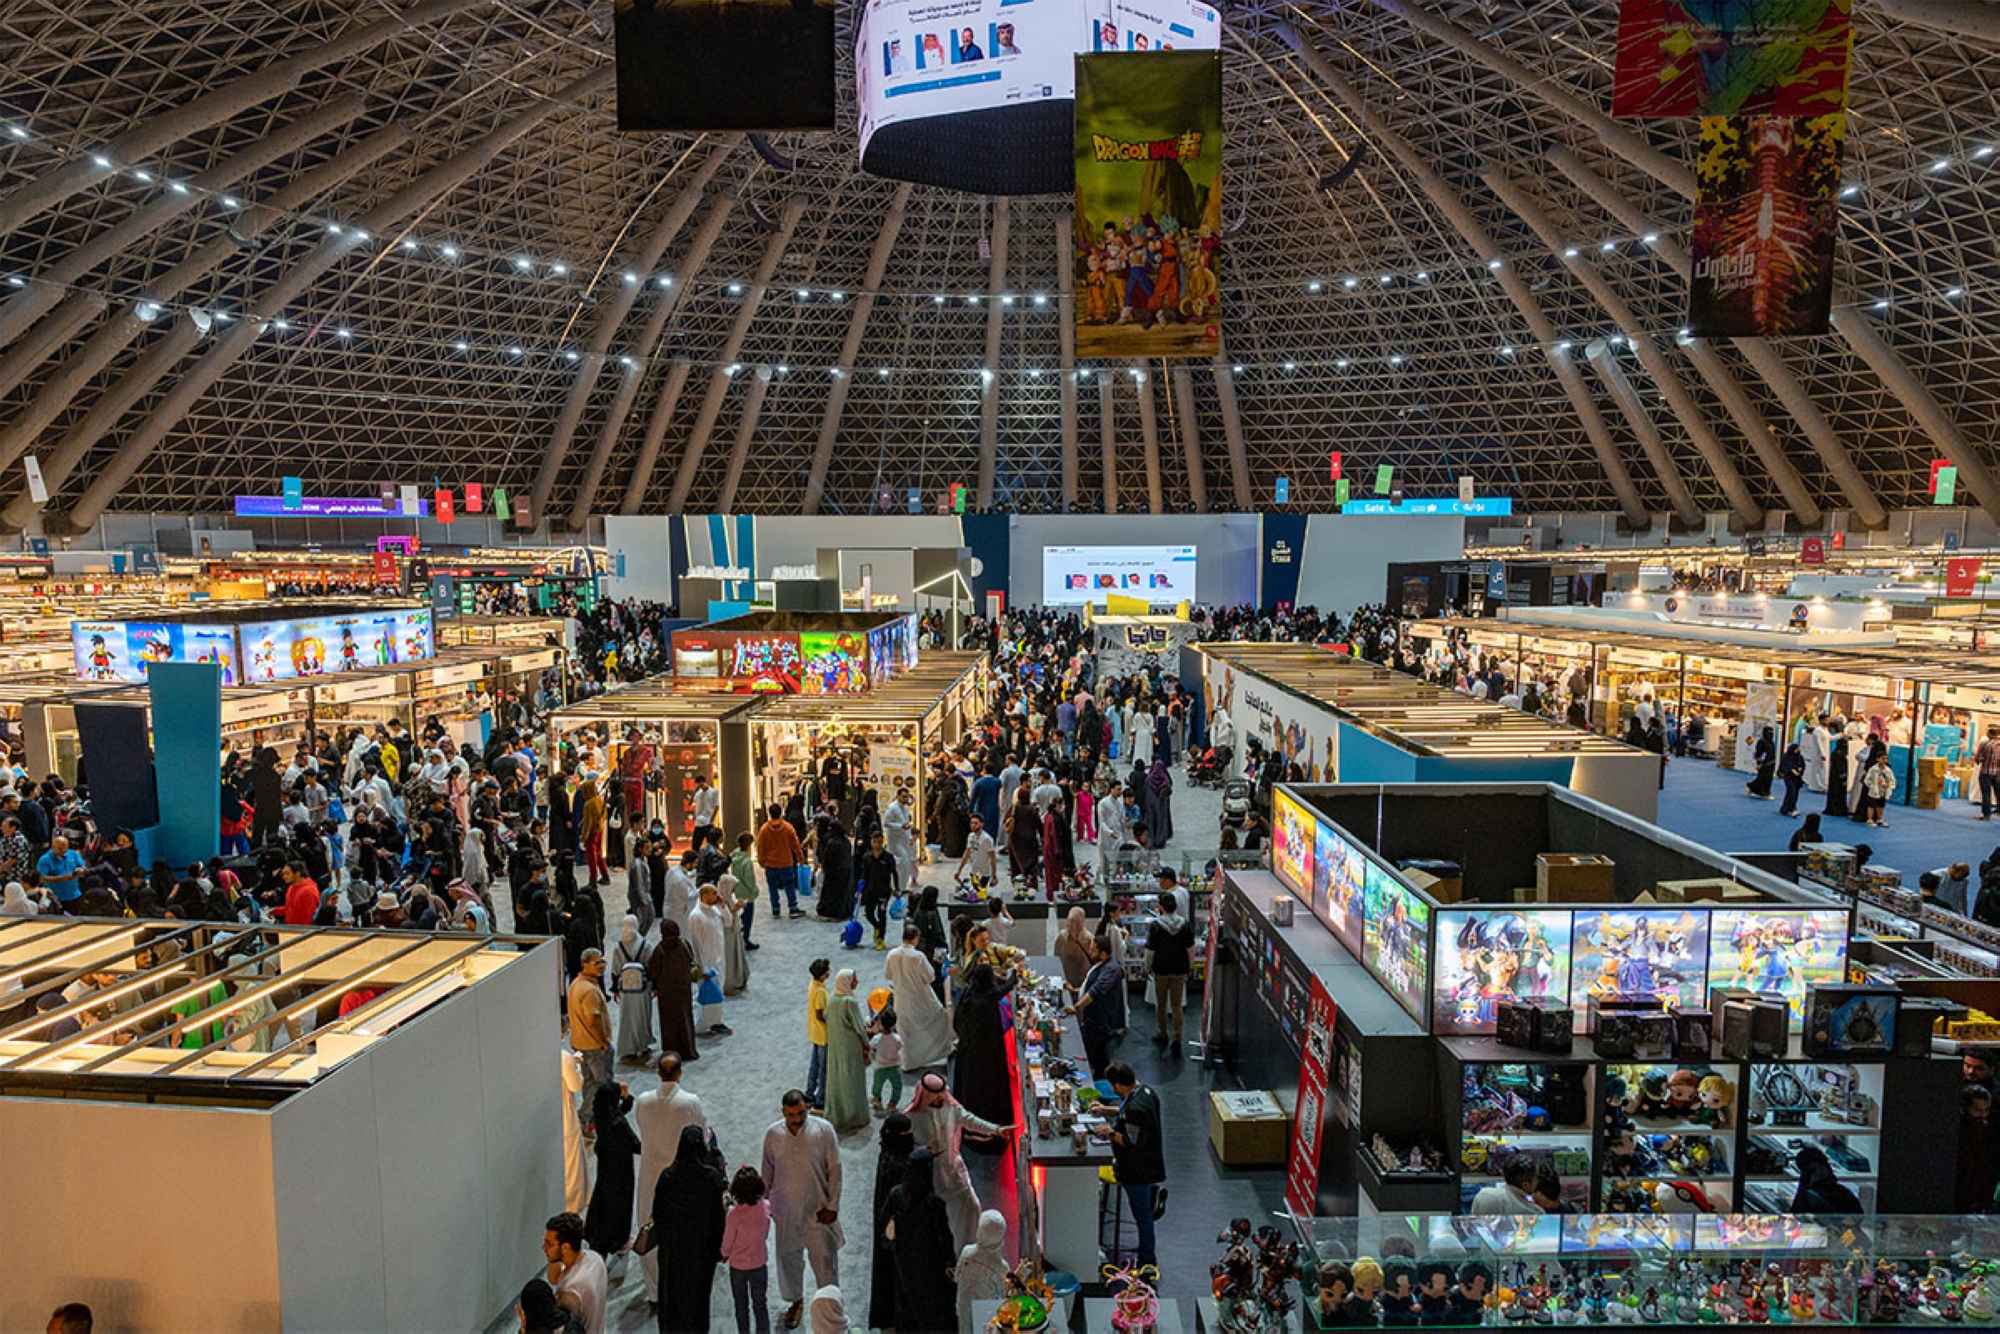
point(1148, 204)
point(1765, 214)
point(1732, 57)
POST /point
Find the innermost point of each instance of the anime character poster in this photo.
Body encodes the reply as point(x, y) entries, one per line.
point(1339, 872)
point(1396, 943)
point(760, 664)
point(1148, 204)
point(100, 652)
point(1765, 216)
point(1781, 950)
point(1292, 831)
point(834, 664)
point(1732, 57)
point(1640, 951)
point(1485, 957)
point(216, 644)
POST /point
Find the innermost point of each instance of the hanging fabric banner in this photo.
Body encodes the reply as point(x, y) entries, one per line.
point(1384, 475)
point(1149, 204)
point(1748, 57)
point(411, 507)
point(445, 511)
point(1465, 490)
point(1961, 576)
point(1937, 466)
point(1947, 486)
point(1283, 492)
point(1340, 491)
point(1764, 220)
point(475, 497)
point(293, 493)
point(1334, 467)
point(500, 510)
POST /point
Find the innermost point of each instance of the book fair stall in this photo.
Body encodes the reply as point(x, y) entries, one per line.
point(660, 741)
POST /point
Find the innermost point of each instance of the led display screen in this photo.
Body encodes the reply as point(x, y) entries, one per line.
point(1485, 956)
point(1638, 952)
point(1339, 872)
point(1075, 575)
point(1782, 950)
point(1396, 937)
point(1292, 833)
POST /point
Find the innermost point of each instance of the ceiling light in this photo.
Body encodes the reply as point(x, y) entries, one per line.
point(784, 369)
point(16, 280)
point(1041, 299)
point(514, 351)
point(1953, 293)
point(1341, 364)
point(1351, 283)
point(100, 159)
point(1035, 373)
point(343, 333)
point(1423, 276)
point(627, 362)
point(804, 294)
point(732, 368)
point(449, 251)
point(1396, 360)
point(1983, 151)
point(462, 346)
point(1237, 369)
point(1291, 365)
point(333, 229)
point(20, 133)
point(147, 311)
point(1083, 374)
point(1138, 375)
point(178, 187)
point(987, 375)
point(1608, 247)
point(972, 301)
point(1007, 300)
point(1385, 280)
point(147, 177)
point(1569, 252)
point(1848, 192)
point(1312, 287)
point(835, 372)
point(631, 278)
point(1883, 304)
point(282, 326)
point(1686, 333)
point(666, 280)
point(559, 270)
point(230, 201)
point(410, 247)
point(736, 289)
point(1940, 165)
point(1650, 237)
point(1507, 350)
point(883, 372)
point(1562, 346)
point(523, 263)
point(1494, 264)
point(360, 235)
point(223, 317)
point(838, 296)
point(571, 354)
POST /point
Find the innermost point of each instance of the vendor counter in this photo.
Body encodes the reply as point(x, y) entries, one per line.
point(1059, 1204)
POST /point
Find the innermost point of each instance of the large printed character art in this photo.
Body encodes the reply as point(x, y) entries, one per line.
point(103, 663)
point(264, 660)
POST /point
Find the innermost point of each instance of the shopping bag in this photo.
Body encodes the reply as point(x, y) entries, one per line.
point(710, 991)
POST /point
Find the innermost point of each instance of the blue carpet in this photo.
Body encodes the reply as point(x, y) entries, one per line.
point(1707, 803)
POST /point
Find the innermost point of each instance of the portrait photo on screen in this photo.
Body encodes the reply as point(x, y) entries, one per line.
point(709, 65)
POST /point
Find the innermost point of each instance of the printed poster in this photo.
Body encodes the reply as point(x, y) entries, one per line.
point(1149, 204)
point(1302, 1163)
point(1732, 58)
point(1764, 220)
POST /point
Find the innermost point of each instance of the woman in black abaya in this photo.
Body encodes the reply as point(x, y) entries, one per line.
point(608, 1225)
point(979, 1078)
point(1836, 778)
point(898, 1143)
point(926, 1297)
point(836, 870)
point(687, 1218)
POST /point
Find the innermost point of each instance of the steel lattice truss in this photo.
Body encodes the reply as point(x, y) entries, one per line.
point(1411, 351)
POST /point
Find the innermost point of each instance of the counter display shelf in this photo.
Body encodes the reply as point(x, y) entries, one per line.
point(1671, 1270)
point(1058, 1159)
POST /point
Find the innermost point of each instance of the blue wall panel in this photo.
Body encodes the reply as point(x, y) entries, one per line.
point(187, 722)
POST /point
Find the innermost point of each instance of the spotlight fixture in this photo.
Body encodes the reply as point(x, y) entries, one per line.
point(282, 326)
point(230, 201)
point(1312, 287)
point(1291, 365)
point(1953, 293)
point(1608, 247)
point(631, 278)
point(1942, 164)
point(20, 133)
point(559, 270)
point(514, 351)
point(343, 333)
point(100, 160)
point(627, 362)
point(1351, 283)
point(1494, 264)
point(571, 354)
point(1569, 252)
point(1342, 364)
point(410, 247)
point(1041, 299)
point(523, 263)
point(1849, 191)
point(804, 294)
point(178, 187)
point(449, 251)
point(837, 296)
point(1396, 360)
point(463, 347)
point(736, 289)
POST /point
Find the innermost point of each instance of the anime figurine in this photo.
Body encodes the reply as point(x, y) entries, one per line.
point(1368, 1280)
point(1716, 1094)
point(1399, 1300)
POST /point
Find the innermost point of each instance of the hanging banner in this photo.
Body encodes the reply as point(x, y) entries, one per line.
point(524, 517)
point(1764, 223)
point(1340, 492)
point(1334, 470)
point(293, 492)
point(1302, 1162)
point(916, 500)
point(1384, 476)
point(1283, 491)
point(1937, 466)
point(1700, 58)
point(1149, 204)
point(1465, 496)
point(475, 497)
point(1961, 576)
point(410, 504)
point(38, 490)
point(445, 510)
point(1947, 486)
point(385, 567)
point(958, 497)
point(1812, 551)
point(500, 510)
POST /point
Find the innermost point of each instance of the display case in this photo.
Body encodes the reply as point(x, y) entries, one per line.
point(1792, 1104)
point(1669, 1131)
point(1136, 870)
point(1601, 1270)
point(1508, 1104)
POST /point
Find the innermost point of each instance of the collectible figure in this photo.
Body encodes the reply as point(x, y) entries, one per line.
point(1399, 1293)
point(1368, 1279)
point(1434, 1304)
point(1468, 1299)
point(1716, 1094)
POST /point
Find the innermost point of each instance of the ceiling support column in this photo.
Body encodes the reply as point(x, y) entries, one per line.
point(850, 347)
point(1763, 440)
point(1860, 334)
point(712, 222)
point(746, 430)
point(989, 382)
point(719, 377)
point(617, 305)
point(420, 194)
point(1107, 441)
point(1190, 437)
point(1232, 435)
point(43, 192)
point(48, 337)
point(1741, 502)
point(1149, 436)
point(1066, 333)
point(1448, 202)
point(1645, 431)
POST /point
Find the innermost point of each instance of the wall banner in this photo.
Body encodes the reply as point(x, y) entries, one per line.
point(1764, 220)
point(1149, 204)
point(1699, 58)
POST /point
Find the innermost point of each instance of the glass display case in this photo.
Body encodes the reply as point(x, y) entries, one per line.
point(1639, 1269)
point(1795, 1104)
point(1136, 870)
point(1510, 1110)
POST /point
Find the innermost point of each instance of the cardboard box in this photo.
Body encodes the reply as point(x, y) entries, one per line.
point(1845, 1019)
point(1555, 1029)
point(1615, 1034)
point(1708, 890)
point(1920, 1018)
point(1444, 889)
point(1755, 1029)
point(1694, 1035)
point(1248, 1129)
point(1653, 1037)
point(1574, 877)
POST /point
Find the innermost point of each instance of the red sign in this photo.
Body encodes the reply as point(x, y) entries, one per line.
point(1812, 551)
point(1336, 465)
point(1302, 1163)
point(1961, 576)
point(1840, 541)
point(1937, 465)
point(444, 508)
point(385, 567)
point(475, 497)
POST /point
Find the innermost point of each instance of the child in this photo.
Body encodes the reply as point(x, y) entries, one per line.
point(1086, 814)
point(816, 1031)
point(743, 1246)
point(998, 919)
point(885, 1054)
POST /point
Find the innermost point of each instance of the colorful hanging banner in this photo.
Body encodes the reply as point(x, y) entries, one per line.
point(1334, 471)
point(445, 512)
point(1812, 551)
point(1283, 491)
point(294, 492)
point(958, 497)
point(475, 497)
point(1937, 466)
point(500, 510)
point(1735, 58)
point(1947, 486)
point(1384, 476)
point(1961, 576)
point(524, 517)
point(1149, 204)
point(916, 500)
point(1340, 491)
point(1764, 220)
point(385, 567)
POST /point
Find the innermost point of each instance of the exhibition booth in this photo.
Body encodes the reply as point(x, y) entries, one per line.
point(1454, 975)
point(659, 741)
point(359, 1121)
point(1339, 719)
point(795, 653)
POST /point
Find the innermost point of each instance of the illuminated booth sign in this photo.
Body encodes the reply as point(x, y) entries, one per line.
point(270, 649)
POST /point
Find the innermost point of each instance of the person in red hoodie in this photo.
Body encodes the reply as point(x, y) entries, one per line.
point(301, 894)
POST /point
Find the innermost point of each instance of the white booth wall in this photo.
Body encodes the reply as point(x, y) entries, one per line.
point(405, 1190)
point(1346, 557)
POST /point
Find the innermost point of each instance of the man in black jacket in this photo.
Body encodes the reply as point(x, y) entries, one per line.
point(1137, 1155)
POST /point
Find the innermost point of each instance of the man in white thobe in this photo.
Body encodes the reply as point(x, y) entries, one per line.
point(660, 1115)
point(801, 1170)
point(896, 834)
point(1814, 745)
point(939, 1124)
point(920, 1016)
point(679, 890)
point(707, 801)
point(707, 929)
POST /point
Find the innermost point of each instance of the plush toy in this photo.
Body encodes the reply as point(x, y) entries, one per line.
point(1681, 1197)
point(1716, 1095)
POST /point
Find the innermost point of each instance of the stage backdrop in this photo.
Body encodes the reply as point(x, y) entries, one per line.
point(1148, 204)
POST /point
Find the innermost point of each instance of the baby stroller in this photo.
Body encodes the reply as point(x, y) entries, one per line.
point(1210, 768)
point(1235, 802)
